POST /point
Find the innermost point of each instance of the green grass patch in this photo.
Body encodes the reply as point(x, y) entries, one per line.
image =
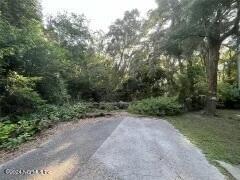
point(218, 137)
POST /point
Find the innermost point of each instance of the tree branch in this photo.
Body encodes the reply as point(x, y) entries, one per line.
point(235, 28)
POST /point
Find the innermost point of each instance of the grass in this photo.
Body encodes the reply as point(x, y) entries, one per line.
point(218, 137)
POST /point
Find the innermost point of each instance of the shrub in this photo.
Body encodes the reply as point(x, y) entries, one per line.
point(113, 106)
point(13, 134)
point(53, 89)
point(20, 96)
point(63, 113)
point(229, 94)
point(23, 128)
point(6, 130)
point(159, 106)
point(195, 102)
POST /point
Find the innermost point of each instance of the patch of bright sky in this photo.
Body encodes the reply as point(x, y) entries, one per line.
point(100, 13)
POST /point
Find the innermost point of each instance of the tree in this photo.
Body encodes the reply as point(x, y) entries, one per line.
point(123, 38)
point(88, 70)
point(17, 12)
point(70, 31)
point(214, 22)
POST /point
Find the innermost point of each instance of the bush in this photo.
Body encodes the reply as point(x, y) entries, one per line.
point(13, 133)
point(53, 89)
point(159, 106)
point(111, 106)
point(229, 94)
point(195, 102)
point(6, 130)
point(20, 96)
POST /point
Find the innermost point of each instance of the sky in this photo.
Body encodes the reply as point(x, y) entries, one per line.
point(100, 13)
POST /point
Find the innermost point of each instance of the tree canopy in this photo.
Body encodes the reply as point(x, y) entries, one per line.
point(184, 48)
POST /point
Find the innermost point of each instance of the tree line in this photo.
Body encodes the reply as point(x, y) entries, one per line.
point(185, 49)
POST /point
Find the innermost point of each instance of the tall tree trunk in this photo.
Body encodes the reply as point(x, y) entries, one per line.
point(190, 76)
point(212, 69)
point(181, 66)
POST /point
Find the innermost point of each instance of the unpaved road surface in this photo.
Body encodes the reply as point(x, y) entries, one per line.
point(120, 147)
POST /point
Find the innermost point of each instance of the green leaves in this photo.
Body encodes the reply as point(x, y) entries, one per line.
point(228, 92)
point(123, 38)
point(20, 96)
point(23, 128)
point(13, 134)
point(7, 39)
point(70, 30)
point(6, 131)
point(159, 106)
point(19, 12)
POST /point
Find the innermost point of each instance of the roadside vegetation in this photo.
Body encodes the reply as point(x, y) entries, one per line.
point(160, 106)
point(19, 129)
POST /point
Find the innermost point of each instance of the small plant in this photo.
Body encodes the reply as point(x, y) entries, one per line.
point(13, 134)
point(7, 129)
point(159, 106)
point(23, 128)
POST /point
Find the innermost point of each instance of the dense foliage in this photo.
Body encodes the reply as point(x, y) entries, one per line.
point(159, 106)
point(15, 131)
point(13, 134)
